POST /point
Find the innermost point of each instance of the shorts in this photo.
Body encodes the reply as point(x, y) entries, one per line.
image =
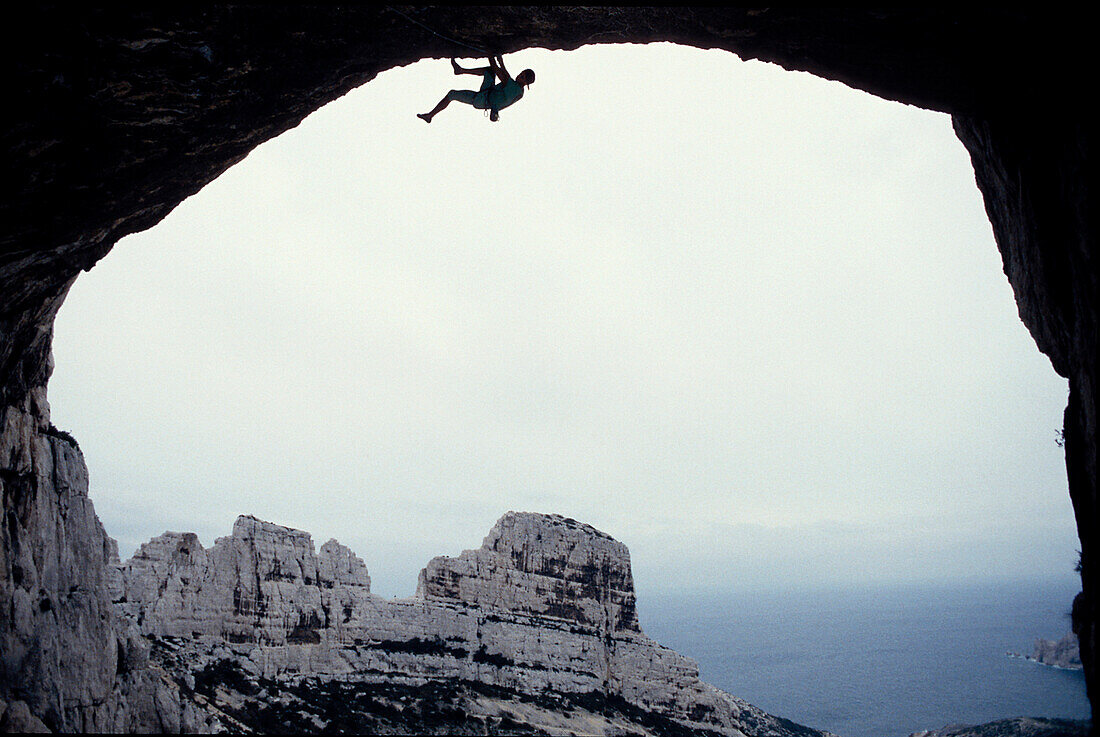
point(480, 98)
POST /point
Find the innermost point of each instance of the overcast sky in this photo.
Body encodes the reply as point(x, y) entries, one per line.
point(750, 322)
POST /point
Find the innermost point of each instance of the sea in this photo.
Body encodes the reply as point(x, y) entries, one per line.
point(878, 661)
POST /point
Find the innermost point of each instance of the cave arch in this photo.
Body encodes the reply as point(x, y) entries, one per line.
point(116, 117)
point(325, 213)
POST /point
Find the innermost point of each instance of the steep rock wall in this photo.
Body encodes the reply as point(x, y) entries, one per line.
point(568, 570)
point(1033, 171)
point(112, 117)
point(59, 627)
point(69, 661)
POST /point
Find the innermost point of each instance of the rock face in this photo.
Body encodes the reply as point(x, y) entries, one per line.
point(114, 116)
point(538, 565)
point(55, 553)
point(263, 583)
point(544, 606)
point(1064, 653)
point(72, 661)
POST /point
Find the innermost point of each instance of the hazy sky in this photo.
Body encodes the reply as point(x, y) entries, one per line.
point(750, 322)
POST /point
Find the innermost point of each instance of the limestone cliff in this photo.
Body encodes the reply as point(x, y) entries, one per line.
point(74, 663)
point(544, 607)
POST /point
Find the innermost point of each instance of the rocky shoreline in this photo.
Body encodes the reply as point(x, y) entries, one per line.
point(1019, 727)
point(1064, 653)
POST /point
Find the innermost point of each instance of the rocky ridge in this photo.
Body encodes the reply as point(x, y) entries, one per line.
point(534, 627)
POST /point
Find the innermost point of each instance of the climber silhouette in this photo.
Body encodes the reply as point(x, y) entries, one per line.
point(491, 97)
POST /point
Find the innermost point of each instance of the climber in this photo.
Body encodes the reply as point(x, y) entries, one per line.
point(491, 97)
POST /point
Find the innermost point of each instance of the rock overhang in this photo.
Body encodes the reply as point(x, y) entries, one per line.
point(115, 116)
point(120, 115)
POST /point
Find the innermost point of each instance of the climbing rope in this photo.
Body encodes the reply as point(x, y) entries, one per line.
point(481, 52)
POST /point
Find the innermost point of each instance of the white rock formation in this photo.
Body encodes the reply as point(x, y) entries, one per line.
point(1064, 653)
point(545, 604)
point(68, 661)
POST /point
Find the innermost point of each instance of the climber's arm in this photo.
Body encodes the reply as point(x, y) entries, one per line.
point(497, 65)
